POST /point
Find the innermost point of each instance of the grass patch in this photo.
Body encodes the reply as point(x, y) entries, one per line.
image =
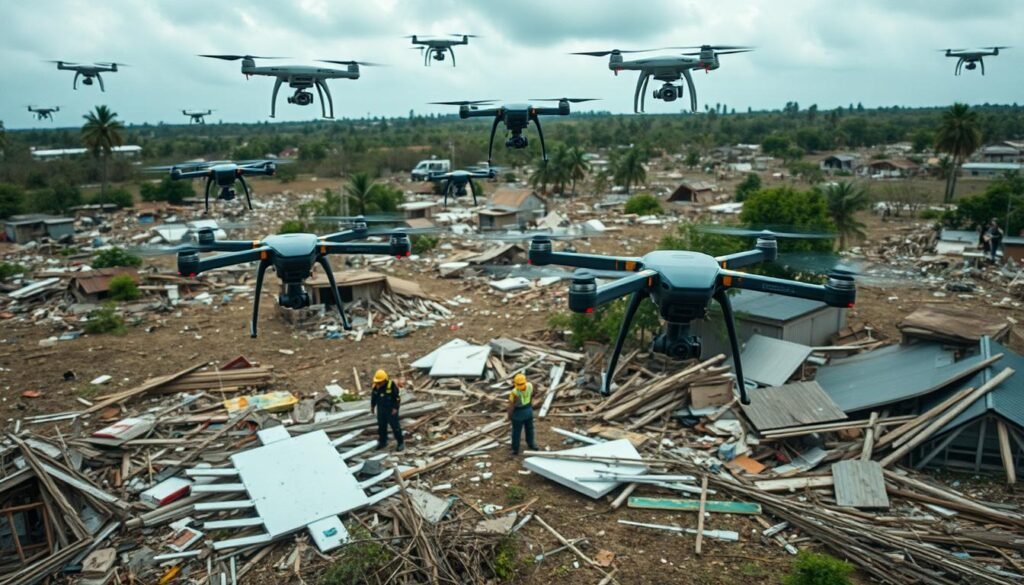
point(359, 561)
point(515, 494)
point(105, 320)
point(812, 568)
point(506, 559)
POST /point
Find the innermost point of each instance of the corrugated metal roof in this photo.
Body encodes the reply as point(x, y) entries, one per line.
point(892, 374)
point(509, 197)
point(965, 236)
point(770, 362)
point(763, 305)
point(1006, 400)
point(98, 281)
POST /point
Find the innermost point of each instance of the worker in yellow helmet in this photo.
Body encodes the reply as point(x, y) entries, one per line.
point(520, 411)
point(384, 402)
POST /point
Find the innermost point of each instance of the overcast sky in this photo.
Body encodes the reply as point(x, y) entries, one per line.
point(878, 52)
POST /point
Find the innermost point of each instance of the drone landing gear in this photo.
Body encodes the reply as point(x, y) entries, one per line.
point(641, 92)
point(74, 83)
point(206, 198)
point(273, 97)
point(627, 320)
point(334, 291)
point(320, 85)
point(734, 342)
point(245, 189)
point(99, 78)
point(256, 300)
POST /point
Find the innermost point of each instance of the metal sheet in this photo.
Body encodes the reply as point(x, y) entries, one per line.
point(426, 362)
point(771, 362)
point(567, 471)
point(461, 362)
point(297, 482)
point(1006, 400)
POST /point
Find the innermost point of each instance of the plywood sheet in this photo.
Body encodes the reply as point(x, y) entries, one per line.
point(860, 484)
point(797, 404)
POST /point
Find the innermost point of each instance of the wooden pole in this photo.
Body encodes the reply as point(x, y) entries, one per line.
point(869, 438)
point(700, 513)
point(1005, 453)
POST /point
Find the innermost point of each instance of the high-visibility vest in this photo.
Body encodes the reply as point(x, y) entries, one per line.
point(525, 396)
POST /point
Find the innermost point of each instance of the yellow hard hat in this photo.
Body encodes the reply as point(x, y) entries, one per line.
point(380, 376)
point(520, 381)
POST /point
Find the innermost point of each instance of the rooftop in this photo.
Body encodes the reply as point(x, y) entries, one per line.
point(992, 166)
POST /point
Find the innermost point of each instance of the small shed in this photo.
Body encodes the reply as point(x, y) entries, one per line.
point(1001, 153)
point(418, 209)
point(511, 207)
point(838, 162)
point(1013, 247)
point(26, 228)
point(802, 321)
point(892, 168)
point(352, 286)
point(694, 192)
point(989, 170)
point(94, 285)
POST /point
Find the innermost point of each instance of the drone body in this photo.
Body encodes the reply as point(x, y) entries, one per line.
point(516, 118)
point(196, 116)
point(460, 183)
point(44, 113)
point(436, 49)
point(972, 59)
point(292, 256)
point(87, 72)
point(682, 284)
point(223, 174)
point(667, 70)
point(298, 77)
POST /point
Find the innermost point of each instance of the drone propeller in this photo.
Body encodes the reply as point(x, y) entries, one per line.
point(565, 99)
point(69, 63)
point(527, 236)
point(721, 52)
point(718, 47)
point(237, 57)
point(620, 51)
point(532, 272)
point(465, 103)
point(112, 63)
point(463, 35)
point(947, 50)
point(994, 48)
point(407, 231)
point(363, 63)
point(750, 233)
point(862, 271)
point(378, 218)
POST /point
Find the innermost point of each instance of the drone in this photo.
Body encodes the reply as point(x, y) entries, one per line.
point(516, 118)
point(971, 59)
point(88, 72)
point(223, 174)
point(682, 284)
point(460, 183)
point(291, 255)
point(196, 116)
point(667, 70)
point(298, 77)
point(438, 48)
point(44, 113)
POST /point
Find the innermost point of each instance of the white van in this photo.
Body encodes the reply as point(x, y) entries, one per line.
point(428, 168)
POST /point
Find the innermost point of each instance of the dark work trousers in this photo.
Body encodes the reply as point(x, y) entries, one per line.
point(522, 418)
point(384, 420)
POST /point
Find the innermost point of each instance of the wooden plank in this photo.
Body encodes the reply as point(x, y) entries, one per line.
point(859, 484)
point(869, 438)
point(1005, 453)
point(796, 404)
point(681, 505)
point(794, 483)
point(700, 513)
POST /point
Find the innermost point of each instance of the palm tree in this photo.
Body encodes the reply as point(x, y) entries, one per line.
point(360, 190)
point(629, 169)
point(959, 136)
point(540, 177)
point(101, 133)
point(558, 168)
point(601, 182)
point(844, 200)
point(577, 165)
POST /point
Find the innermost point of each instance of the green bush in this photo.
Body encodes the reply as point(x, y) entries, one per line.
point(422, 244)
point(818, 569)
point(292, 226)
point(123, 288)
point(751, 184)
point(12, 200)
point(110, 257)
point(603, 324)
point(105, 320)
point(930, 215)
point(286, 173)
point(506, 559)
point(643, 204)
point(515, 494)
point(358, 561)
point(9, 269)
point(169, 190)
point(119, 197)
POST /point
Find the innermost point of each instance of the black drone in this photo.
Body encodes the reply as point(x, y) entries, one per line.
point(438, 48)
point(460, 183)
point(681, 284)
point(44, 113)
point(516, 118)
point(223, 174)
point(292, 256)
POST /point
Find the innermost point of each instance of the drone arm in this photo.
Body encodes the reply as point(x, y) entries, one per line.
point(734, 342)
point(627, 320)
point(540, 254)
point(612, 291)
point(540, 134)
point(344, 236)
point(245, 188)
point(232, 258)
point(322, 261)
point(273, 97)
point(230, 246)
point(354, 248)
point(693, 90)
point(743, 259)
point(490, 144)
point(256, 299)
point(838, 292)
point(99, 78)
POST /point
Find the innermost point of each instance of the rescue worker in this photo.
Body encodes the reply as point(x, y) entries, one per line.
point(384, 401)
point(520, 412)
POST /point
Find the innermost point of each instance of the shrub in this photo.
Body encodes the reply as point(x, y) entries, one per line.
point(643, 204)
point(930, 215)
point(818, 569)
point(9, 269)
point(110, 257)
point(119, 197)
point(422, 244)
point(105, 320)
point(292, 226)
point(751, 183)
point(168, 190)
point(515, 494)
point(359, 560)
point(506, 559)
point(12, 200)
point(286, 173)
point(123, 288)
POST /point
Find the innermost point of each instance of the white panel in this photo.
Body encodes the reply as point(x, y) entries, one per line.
point(569, 471)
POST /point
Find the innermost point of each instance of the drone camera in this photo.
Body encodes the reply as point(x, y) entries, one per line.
point(301, 98)
point(87, 81)
point(188, 264)
point(676, 343)
point(583, 295)
point(293, 297)
point(226, 194)
point(840, 290)
point(668, 92)
point(517, 141)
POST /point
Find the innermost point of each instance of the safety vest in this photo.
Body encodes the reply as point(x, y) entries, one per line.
point(525, 397)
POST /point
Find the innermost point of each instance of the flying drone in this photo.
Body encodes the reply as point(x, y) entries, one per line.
point(460, 183)
point(223, 174)
point(971, 59)
point(196, 116)
point(88, 72)
point(682, 284)
point(291, 255)
point(438, 48)
point(516, 118)
point(44, 113)
point(298, 77)
point(666, 70)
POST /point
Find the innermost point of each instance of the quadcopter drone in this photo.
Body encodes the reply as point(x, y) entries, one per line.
point(681, 284)
point(223, 174)
point(44, 113)
point(298, 77)
point(667, 70)
point(88, 72)
point(196, 116)
point(292, 256)
point(438, 48)
point(516, 118)
point(460, 183)
point(971, 59)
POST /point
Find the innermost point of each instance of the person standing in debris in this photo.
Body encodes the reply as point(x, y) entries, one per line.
point(993, 238)
point(384, 401)
point(520, 412)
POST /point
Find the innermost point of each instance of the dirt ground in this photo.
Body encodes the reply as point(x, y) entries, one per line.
point(164, 343)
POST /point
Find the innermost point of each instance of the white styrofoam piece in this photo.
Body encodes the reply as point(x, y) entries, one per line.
point(328, 533)
point(566, 471)
point(297, 482)
point(510, 284)
point(273, 434)
point(426, 362)
point(463, 361)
